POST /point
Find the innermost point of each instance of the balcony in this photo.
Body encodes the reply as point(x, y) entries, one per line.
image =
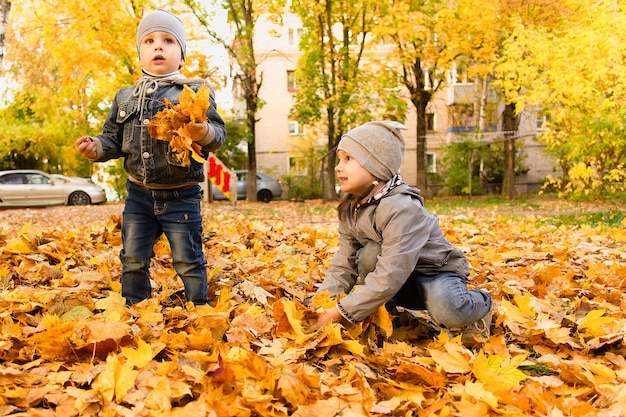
point(463, 93)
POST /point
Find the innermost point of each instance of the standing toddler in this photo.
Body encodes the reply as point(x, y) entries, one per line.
point(163, 195)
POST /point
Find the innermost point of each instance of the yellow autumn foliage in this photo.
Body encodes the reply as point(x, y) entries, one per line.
point(70, 346)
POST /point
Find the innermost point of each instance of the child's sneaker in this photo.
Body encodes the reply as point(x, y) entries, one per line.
point(477, 333)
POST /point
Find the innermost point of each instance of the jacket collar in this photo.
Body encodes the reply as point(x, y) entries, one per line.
point(391, 185)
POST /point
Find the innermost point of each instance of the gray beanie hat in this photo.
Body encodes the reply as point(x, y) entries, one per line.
point(161, 20)
point(377, 146)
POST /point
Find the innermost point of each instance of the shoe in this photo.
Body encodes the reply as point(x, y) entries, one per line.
point(477, 333)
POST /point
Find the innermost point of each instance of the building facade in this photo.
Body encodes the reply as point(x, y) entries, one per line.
point(450, 115)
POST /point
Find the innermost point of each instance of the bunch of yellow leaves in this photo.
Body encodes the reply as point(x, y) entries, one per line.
point(171, 124)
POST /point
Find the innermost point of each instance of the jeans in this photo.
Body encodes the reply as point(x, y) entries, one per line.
point(150, 213)
point(445, 295)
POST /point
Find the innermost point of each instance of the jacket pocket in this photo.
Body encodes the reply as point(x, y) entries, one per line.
point(125, 111)
point(434, 259)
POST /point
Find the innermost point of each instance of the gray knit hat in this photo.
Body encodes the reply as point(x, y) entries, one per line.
point(377, 146)
point(161, 20)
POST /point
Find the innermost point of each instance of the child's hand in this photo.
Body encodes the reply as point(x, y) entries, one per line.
point(86, 147)
point(197, 131)
point(329, 315)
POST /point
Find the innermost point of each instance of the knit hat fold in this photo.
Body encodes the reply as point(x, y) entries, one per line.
point(161, 20)
point(378, 146)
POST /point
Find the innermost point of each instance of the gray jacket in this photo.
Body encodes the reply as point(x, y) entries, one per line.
point(147, 160)
point(411, 241)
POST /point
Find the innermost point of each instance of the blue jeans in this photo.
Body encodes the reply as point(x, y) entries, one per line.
point(445, 296)
point(150, 213)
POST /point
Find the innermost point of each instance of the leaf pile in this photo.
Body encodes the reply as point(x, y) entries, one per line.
point(69, 346)
point(171, 124)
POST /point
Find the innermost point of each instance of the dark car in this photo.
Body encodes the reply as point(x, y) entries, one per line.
point(267, 188)
point(28, 187)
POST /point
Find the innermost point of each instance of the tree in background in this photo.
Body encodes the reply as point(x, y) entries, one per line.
point(231, 152)
point(471, 168)
point(305, 179)
point(478, 35)
point(67, 59)
point(335, 90)
point(5, 9)
point(421, 56)
point(242, 16)
point(576, 72)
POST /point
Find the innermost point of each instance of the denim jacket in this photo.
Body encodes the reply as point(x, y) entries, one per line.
point(147, 160)
point(411, 240)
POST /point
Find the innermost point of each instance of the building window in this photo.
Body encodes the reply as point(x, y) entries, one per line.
point(297, 166)
point(431, 163)
point(541, 121)
point(295, 129)
point(294, 36)
point(291, 81)
point(430, 122)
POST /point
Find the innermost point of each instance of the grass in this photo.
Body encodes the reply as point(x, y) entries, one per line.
point(549, 208)
point(609, 218)
point(546, 208)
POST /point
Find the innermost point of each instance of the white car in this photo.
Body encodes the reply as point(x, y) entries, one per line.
point(28, 187)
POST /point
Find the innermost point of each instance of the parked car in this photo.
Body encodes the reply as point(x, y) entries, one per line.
point(65, 178)
point(28, 187)
point(267, 187)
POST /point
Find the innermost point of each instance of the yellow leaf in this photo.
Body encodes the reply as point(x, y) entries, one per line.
point(353, 346)
point(18, 247)
point(454, 360)
point(511, 312)
point(160, 396)
point(115, 381)
point(524, 304)
point(292, 314)
point(295, 391)
point(478, 391)
point(139, 357)
point(497, 373)
point(593, 323)
point(77, 313)
point(113, 303)
point(383, 319)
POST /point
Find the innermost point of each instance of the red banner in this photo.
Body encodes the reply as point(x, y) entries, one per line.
point(219, 175)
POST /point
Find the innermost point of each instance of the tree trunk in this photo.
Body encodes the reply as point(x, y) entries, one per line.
point(328, 187)
point(482, 112)
point(5, 7)
point(251, 190)
point(509, 124)
point(420, 149)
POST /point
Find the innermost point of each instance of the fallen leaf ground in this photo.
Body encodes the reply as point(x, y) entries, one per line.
point(69, 346)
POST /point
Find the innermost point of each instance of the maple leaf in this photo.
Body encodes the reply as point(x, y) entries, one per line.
point(497, 373)
point(159, 398)
point(477, 391)
point(115, 380)
point(383, 320)
point(454, 360)
point(416, 373)
point(295, 391)
point(289, 318)
point(594, 323)
point(140, 357)
point(172, 123)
